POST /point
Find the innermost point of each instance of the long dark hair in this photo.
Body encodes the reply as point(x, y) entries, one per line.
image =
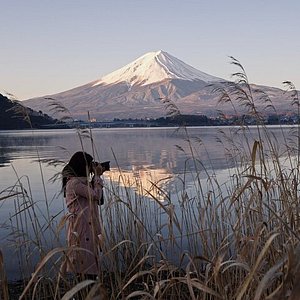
point(78, 166)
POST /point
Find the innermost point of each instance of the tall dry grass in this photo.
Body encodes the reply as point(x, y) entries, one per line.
point(210, 239)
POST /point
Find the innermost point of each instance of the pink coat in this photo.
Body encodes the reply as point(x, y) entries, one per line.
point(83, 227)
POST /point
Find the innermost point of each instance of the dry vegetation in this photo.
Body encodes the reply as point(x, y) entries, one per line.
point(232, 240)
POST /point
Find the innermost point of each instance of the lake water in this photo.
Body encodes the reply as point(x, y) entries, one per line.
point(159, 155)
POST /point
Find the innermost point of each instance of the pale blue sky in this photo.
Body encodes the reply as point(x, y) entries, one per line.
point(52, 46)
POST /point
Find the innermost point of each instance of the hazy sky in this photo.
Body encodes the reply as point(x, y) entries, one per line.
point(52, 46)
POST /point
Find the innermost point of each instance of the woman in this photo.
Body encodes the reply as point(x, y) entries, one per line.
point(82, 199)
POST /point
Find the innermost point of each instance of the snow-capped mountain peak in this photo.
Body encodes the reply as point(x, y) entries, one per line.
point(154, 67)
point(136, 90)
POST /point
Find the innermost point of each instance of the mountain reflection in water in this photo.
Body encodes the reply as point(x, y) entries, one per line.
point(144, 180)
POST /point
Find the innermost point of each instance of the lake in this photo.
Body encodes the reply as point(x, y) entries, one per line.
point(158, 157)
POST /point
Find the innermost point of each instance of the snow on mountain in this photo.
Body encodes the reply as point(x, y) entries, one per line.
point(154, 67)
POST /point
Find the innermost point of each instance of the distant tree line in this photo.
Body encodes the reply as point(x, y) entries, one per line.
point(203, 120)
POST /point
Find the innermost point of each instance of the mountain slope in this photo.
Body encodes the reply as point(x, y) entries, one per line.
point(134, 91)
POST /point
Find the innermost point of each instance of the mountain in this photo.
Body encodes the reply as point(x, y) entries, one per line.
point(14, 115)
point(137, 89)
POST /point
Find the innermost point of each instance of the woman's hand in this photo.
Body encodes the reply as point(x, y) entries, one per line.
point(98, 170)
point(97, 182)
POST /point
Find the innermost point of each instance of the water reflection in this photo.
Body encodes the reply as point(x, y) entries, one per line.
point(22, 144)
point(144, 180)
point(161, 147)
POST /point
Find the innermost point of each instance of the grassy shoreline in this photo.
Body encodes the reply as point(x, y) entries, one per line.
point(237, 239)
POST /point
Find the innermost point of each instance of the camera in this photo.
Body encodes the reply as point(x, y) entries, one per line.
point(105, 165)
